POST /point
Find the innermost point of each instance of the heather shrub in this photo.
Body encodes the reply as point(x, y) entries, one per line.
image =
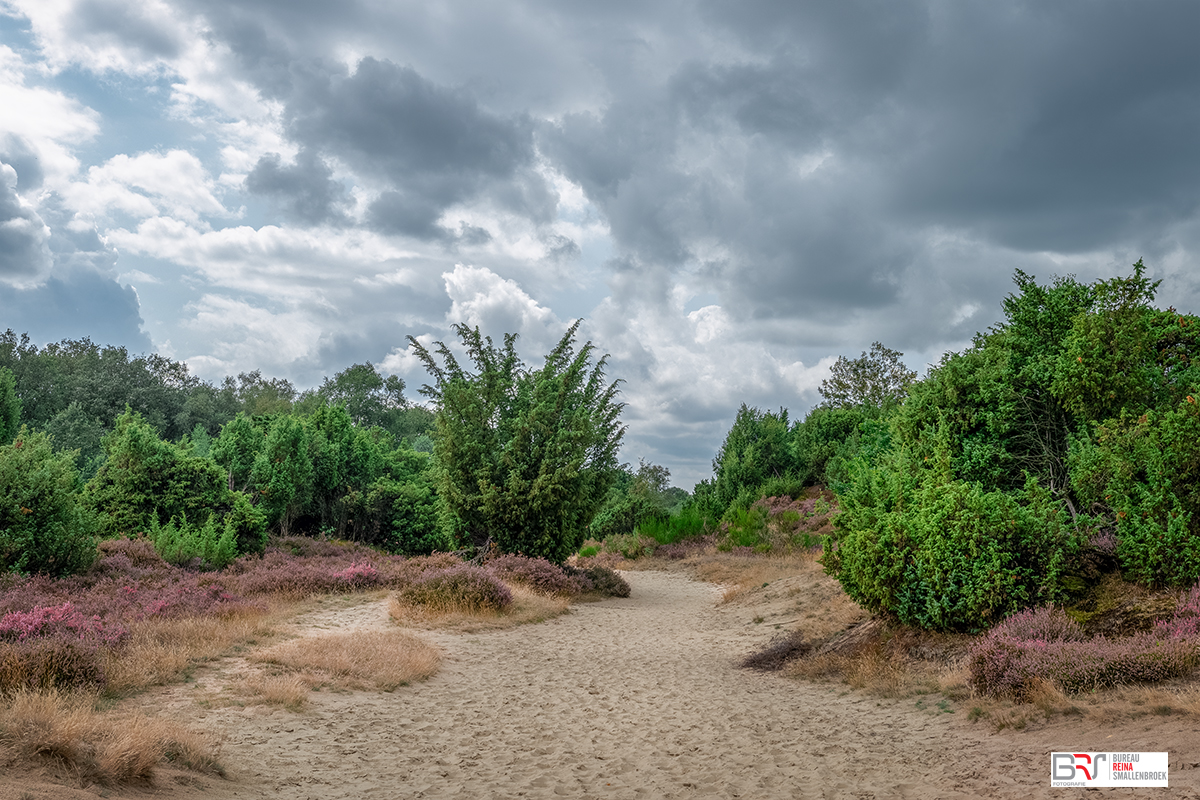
point(778, 653)
point(536, 573)
point(359, 576)
point(1046, 623)
point(57, 662)
point(683, 549)
point(44, 526)
point(1185, 624)
point(607, 582)
point(63, 621)
point(461, 588)
point(1045, 644)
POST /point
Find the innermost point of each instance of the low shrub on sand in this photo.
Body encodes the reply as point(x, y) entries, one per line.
point(604, 581)
point(1045, 645)
point(538, 574)
point(461, 588)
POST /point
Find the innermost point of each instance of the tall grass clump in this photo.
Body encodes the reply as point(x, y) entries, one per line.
point(99, 748)
point(385, 659)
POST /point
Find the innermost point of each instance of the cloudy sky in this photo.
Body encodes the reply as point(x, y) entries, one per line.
point(731, 194)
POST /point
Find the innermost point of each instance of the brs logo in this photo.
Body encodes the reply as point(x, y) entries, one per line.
point(1076, 766)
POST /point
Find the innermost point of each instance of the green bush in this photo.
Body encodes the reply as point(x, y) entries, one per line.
point(1146, 471)
point(690, 521)
point(747, 528)
point(525, 457)
point(145, 479)
point(943, 553)
point(44, 525)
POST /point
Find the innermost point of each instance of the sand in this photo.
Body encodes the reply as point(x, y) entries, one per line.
point(632, 698)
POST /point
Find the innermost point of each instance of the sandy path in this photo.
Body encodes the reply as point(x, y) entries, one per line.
point(635, 698)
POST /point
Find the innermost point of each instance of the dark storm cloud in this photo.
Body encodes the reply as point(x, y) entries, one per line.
point(24, 254)
point(306, 188)
point(435, 145)
point(73, 305)
point(834, 160)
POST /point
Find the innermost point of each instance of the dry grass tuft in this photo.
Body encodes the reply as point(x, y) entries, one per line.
point(162, 650)
point(383, 659)
point(101, 748)
point(288, 691)
point(527, 607)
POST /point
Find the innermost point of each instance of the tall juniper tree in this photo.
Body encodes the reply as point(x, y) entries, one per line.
point(525, 456)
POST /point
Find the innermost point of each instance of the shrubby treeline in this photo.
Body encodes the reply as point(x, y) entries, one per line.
point(513, 457)
point(1064, 439)
point(75, 390)
point(203, 471)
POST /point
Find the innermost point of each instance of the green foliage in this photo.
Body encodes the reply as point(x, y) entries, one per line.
point(1079, 412)
point(255, 395)
point(1127, 356)
point(179, 542)
point(145, 479)
point(236, 450)
point(73, 429)
point(368, 397)
point(248, 524)
point(282, 474)
point(746, 528)
point(877, 379)
point(103, 380)
point(756, 449)
point(689, 521)
point(525, 456)
point(1145, 472)
point(822, 436)
point(200, 441)
point(636, 499)
point(944, 553)
point(10, 407)
point(44, 527)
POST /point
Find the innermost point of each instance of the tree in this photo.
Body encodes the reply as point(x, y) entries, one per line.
point(146, 480)
point(10, 407)
point(755, 450)
point(258, 395)
point(283, 472)
point(367, 396)
point(878, 379)
point(43, 525)
point(524, 456)
point(236, 449)
point(73, 429)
